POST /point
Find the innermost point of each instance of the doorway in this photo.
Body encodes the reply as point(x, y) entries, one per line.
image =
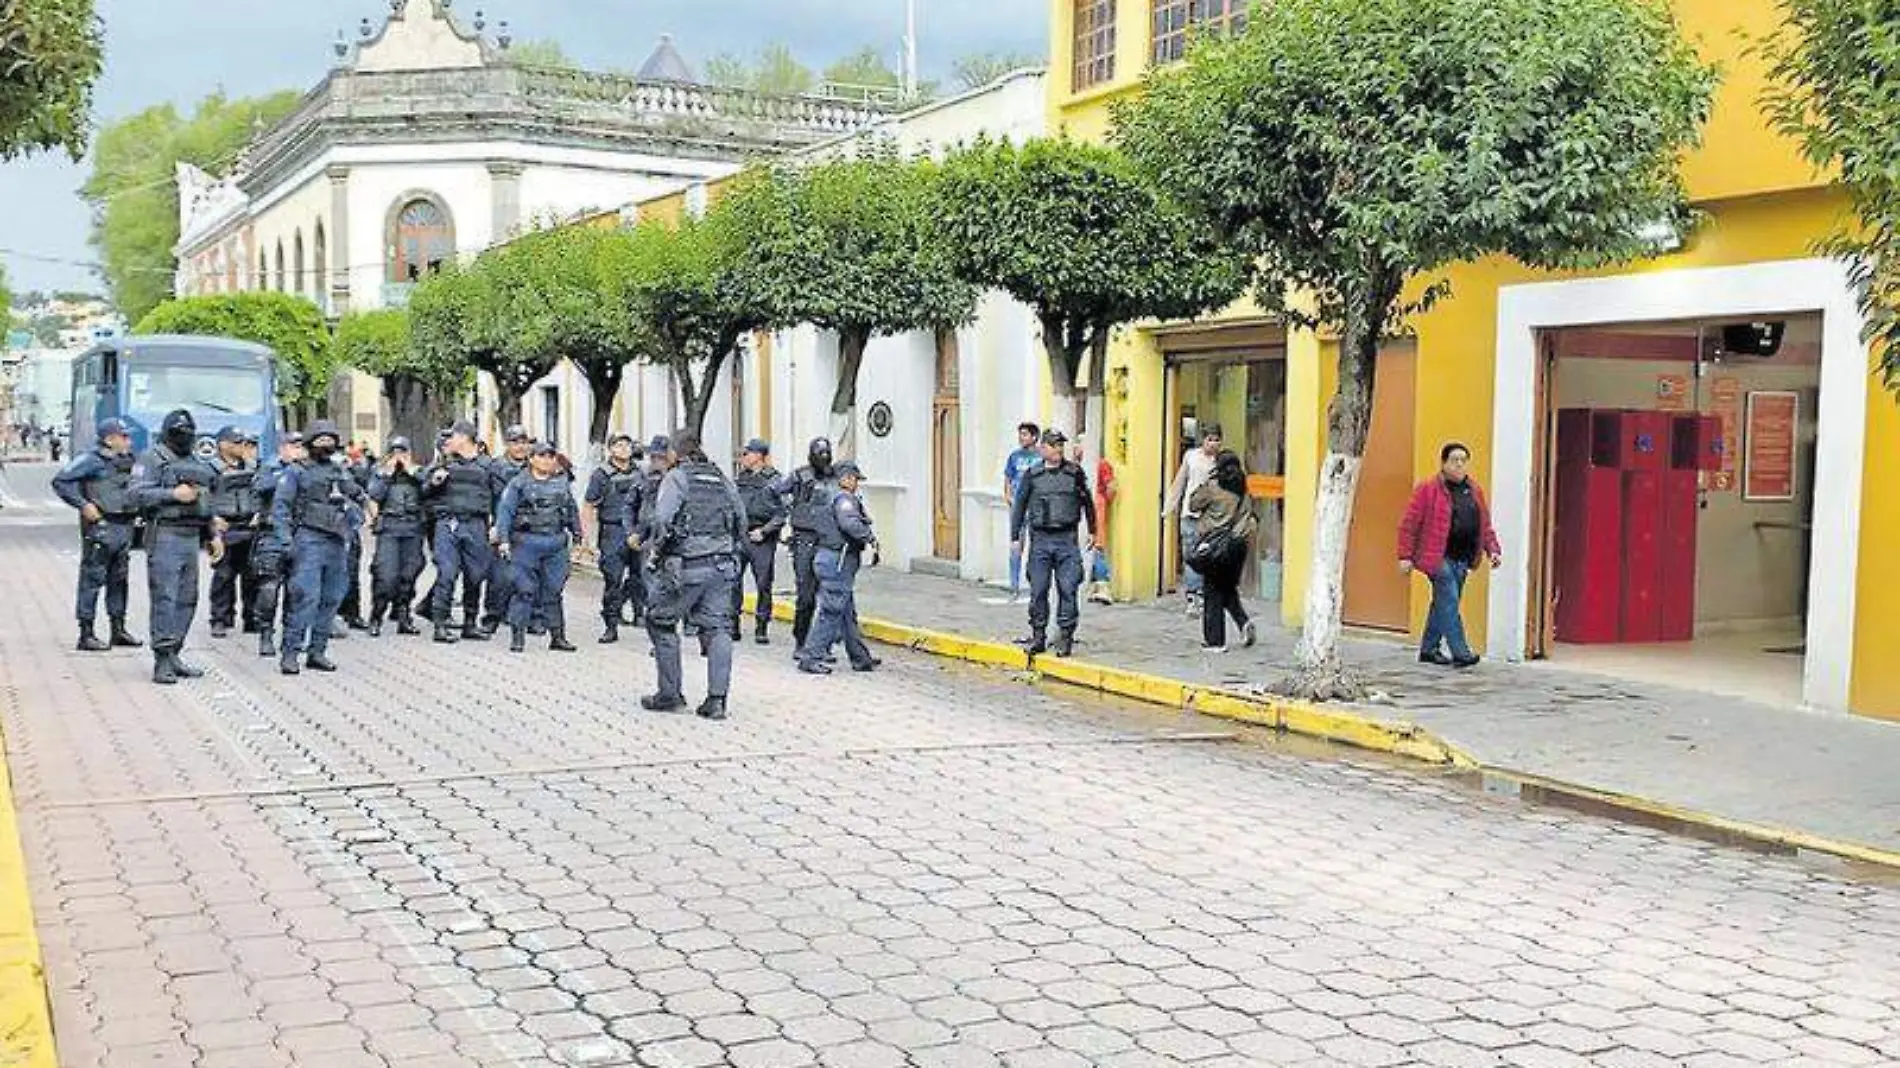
point(1243, 392)
point(1378, 595)
point(946, 454)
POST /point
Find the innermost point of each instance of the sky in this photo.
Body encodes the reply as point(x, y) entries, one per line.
point(181, 50)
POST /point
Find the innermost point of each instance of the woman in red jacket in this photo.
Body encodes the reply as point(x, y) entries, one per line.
point(1445, 530)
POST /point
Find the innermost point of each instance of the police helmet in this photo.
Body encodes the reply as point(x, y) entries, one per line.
point(230, 435)
point(178, 420)
point(659, 444)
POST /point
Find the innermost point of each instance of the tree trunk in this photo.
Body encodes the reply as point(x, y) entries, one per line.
point(604, 388)
point(699, 399)
point(415, 412)
point(844, 398)
point(1319, 673)
point(1064, 341)
point(508, 402)
point(1092, 432)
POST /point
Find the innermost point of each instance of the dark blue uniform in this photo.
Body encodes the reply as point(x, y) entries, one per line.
point(694, 532)
point(539, 519)
point(174, 535)
point(361, 471)
point(809, 494)
point(501, 572)
point(1051, 505)
point(311, 512)
point(102, 478)
point(398, 560)
point(612, 491)
point(234, 500)
point(844, 533)
point(765, 514)
point(270, 562)
point(463, 493)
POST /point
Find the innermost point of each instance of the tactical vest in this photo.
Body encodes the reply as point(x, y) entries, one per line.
point(811, 499)
point(704, 524)
point(755, 489)
point(1055, 498)
point(621, 485)
point(541, 506)
point(830, 534)
point(111, 491)
point(235, 496)
point(469, 492)
point(402, 504)
point(321, 504)
point(169, 471)
point(265, 486)
point(649, 498)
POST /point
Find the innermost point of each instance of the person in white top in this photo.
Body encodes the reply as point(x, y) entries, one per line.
point(1196, 468)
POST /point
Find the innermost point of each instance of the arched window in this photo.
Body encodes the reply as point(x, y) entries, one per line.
point(296, 260)
point(263, 270)
point(322, 265)
point(421, 239)
point(277, 279)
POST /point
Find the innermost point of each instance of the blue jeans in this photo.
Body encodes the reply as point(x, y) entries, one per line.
point(1443, 624)
point(319, 577)
point(1191, 581)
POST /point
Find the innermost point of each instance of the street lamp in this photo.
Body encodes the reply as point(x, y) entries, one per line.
point(910, 49)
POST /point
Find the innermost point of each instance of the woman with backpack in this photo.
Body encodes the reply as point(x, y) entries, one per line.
point(1223, 530)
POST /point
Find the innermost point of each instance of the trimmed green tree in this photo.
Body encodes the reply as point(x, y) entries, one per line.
point(1075, 232)
point(424, 388)
point(979, 70)
point(563, 297)
point(1355, 147)
point(51, 52)
point(1833, 91)
point(481, 313)
point(849, 246)
point(290, 326)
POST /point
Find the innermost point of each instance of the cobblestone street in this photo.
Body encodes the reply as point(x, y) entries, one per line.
point(450, 856)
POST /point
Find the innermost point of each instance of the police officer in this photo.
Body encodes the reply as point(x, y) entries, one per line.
point(98, 483)
point(234, 500)
point(311, 514)
point(844, 534)
point(501, 576)
point(1051, 503)
point(270, 561)
point(426, 606)
point(609, 490)
point(464, 486)
point(395, 495)
point(640, 508)
point(757, 482)
point(535, 525)
point(697, 529)
point(172, 489)
point(810, 489)
point(361, 467)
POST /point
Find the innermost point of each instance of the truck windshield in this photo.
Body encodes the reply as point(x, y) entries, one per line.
point(225, 390)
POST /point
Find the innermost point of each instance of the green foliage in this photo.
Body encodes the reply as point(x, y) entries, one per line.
point(979, 70)
point(51, 52)
point(379, 343)
point(47, 329)
point(1834, 92)
point(290, 326)
point(1352, 144)
point(1073, 231)
point(864, 69)
point(563, 307)
point(133, 190)
point(775, 71)
point(543, 53)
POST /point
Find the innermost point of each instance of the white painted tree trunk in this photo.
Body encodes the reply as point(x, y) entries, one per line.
point(843, 431)
point(1317, 655)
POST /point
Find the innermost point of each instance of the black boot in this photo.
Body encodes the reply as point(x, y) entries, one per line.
point(319, 662)
point(88, 641)
point(518, 643)
point(611, 633)
point(290, 663)
point(406, 624)
point(712, 708)
point(186, 670)
point(122, 638)
point(445, 634)
point(266, 642)
point(476, 632)
point(1065, 644)
point(758, 634)
point(163, 671)
point(557, 641)
point(1038, 643)
point(376, 613)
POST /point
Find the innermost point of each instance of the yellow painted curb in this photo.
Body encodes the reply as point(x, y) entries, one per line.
point(26, 1022)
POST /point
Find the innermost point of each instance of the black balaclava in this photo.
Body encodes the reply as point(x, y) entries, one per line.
point(322, 449)
point(179, 431)
point(820, 457)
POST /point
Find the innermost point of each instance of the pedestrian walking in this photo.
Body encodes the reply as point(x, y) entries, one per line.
point(809, 490)
point(842, 540)
point(464, 486)
point(395, 500)
point(311, 515)
point(1196, 468)
point(234, 500)
point(99, 485)
point(171, 486)
point(1051, 506)
point(1224, 527)
point(611, 492)
point(1100, 575)
point(270, 558)
point(535, 525)
point(1026, 458)
point(695, 536)
point(765, 514)
point(512, 464)
point(1445, 532)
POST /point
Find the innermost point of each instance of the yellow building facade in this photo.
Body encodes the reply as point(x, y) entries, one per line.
point(1491, 366)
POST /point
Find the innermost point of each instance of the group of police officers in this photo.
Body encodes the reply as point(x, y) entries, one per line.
point(674, 535)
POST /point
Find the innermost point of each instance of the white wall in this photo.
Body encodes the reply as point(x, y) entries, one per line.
point(373, 192)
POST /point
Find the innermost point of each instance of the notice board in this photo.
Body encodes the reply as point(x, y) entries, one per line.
point(1768, 470)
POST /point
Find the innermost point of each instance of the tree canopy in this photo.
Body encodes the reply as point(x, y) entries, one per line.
point(1833, 91)
point(774, 70)
point(290, 326)
point(1354, 147)
point(562, 307)
point(134, 194)
point(545, 52)
point(978, 70)
point(424, 386)
point(51, 53)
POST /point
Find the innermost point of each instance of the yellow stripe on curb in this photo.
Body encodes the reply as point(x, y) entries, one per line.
point(26, 1023)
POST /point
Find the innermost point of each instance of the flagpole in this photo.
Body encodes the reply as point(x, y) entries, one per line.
point(910, 49)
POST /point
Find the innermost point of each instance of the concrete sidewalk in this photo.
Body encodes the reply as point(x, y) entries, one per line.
point(1715, 759)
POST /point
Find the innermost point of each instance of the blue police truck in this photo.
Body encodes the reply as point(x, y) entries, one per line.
point(140, 379)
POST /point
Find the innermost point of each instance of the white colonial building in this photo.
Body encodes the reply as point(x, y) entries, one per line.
point(425, 143)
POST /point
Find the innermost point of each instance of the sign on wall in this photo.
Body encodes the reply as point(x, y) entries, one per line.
point(1672, 393)
point(1769, 471)
point(1725, 403)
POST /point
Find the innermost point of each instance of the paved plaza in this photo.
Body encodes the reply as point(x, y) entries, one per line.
point(450, 856)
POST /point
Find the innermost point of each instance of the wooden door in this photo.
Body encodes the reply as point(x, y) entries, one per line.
point(946, 455)
point(1542, 554)
point(1377, 595)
